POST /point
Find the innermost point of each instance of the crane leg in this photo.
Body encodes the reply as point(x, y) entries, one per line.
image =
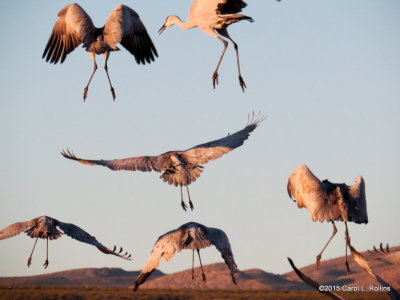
point(190, 201)
point(46, 263)
point(107, 55)
point(30, 257)
point(318, 258)
point(347, 238)
point(85, 90)
point(193, 264)
point(241, 81)
point(224, 33)
point(201, 266)
point(215, 74)
point(184, 206)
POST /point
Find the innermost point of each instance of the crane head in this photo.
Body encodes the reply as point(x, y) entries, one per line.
point(169, 21)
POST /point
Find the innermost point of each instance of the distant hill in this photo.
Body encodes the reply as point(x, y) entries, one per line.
point(80, 277)
point(218, 277)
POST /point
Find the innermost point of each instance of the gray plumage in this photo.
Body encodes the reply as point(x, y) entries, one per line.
point(327, 201)
point(74, 27)
point(213, 17)
point(45, 227)
point(179, 168)
point(192, 236)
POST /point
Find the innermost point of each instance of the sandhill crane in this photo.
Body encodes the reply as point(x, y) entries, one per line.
point(74, 26)
point(213, 17)
point(45, 227)
point(179, 167)
point(193, 236)
point(327, 201)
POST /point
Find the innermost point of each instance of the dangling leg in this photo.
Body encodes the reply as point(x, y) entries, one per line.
point(85, 90)
point(215, 74)
point(347, 238)
point(225, 33)
point(30, 257)
point(326, 245)
point(201, 266)
point(106, 56)
point(193, 264)
point(182, 203)
point(190, 201)
point(46, 263)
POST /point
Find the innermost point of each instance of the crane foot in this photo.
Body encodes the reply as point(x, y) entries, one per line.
point(29, 261)
point(113, 93)
point(46, 263)
point(318, 260)
point(191, 205)
point(215, 79)
point(85, 90)
point(184, 206)
point(242, 83)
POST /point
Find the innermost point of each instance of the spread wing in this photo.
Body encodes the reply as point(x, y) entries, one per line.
point(16, 228)
point(357, 202)
point(140, 163)
point(203, 153)
point(318, 198)
point(124, 26)
point(166, 247)
point(72, 28)
point(220, 240)
point(79, 234)
point(204, 9)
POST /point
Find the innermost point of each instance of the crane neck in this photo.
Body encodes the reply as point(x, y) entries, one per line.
point(184, 25)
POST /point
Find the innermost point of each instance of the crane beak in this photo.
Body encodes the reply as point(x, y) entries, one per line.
point(162, 29)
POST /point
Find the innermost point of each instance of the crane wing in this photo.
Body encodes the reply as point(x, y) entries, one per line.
point(124, 26)
point(165, 247)
point(220, 240)
point(319, 198)
point(203, 153)
point(81, 235)
point(357, 202)
point(140, 163)
point(203, 9)
point(16, 228)
point(72, 28)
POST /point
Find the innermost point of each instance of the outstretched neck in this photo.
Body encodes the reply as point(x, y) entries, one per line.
point(184, 25)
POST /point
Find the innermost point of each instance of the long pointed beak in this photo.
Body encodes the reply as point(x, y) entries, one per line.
point(162, 29)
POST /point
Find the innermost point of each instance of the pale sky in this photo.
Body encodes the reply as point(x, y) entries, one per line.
point(327, 74)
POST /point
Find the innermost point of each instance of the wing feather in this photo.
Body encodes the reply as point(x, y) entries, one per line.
point(124, 26)
point(81, 235)
point(165, 247)
point(140, 163)
point(220, 240)
point(357, 202)
point(205, 9)
point(16, 228)
point(317, 197)
point(203, 153)
point(73, 27)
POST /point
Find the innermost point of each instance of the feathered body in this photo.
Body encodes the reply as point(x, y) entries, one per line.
point(213, 17)
point(192, 236)
point(179, 168)
point(74, 27)
point(327, 201)
point(45, 227)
